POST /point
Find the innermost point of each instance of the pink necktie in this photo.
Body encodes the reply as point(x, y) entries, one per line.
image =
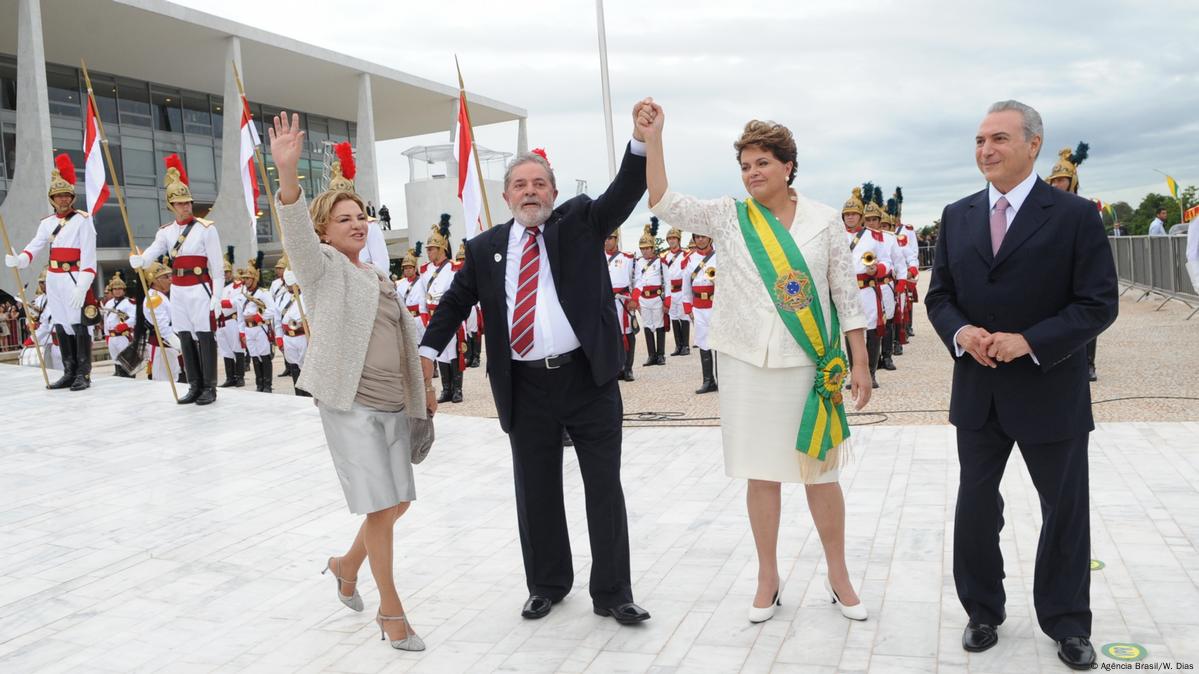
point(526, 295)
point(998, 224)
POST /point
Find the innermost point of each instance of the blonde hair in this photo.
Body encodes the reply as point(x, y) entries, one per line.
point(773, 138)
point(321, 208)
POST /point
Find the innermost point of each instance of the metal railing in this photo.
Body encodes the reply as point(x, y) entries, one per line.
point(1155, 265)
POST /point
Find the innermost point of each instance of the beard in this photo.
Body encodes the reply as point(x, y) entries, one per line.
point(520, 214)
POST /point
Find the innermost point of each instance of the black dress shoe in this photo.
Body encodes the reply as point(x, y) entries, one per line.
point(1076, 652)
point(537, 606)
point(625, 614)
point(1091, 375)
point(979, 637)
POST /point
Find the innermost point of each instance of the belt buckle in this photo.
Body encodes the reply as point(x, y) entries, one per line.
point(54, 264)
point(547, 363)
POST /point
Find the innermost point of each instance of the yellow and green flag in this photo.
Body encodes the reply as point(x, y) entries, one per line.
point(1172, 184)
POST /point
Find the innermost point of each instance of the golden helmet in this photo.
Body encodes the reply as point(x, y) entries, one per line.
point(649, 235)
point(251, 271)
point(1064, 168)
point(439, 236)
point(117, 281)
point(62, 177)
point(41, 278)
point(872, 210)
point(409, 259)
point(854, 203)
point(675, 233)
point(343, 168)
point(282, 263)
point(156, 269)
point(461, 255)
point(228, 269)
point(176, 187)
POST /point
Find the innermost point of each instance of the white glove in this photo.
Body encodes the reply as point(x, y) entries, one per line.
point(1193, 270)
point(174, 342)
point(19, 261)
point(136, 261)
point(214, 305)
point(288, 277)
point(78, 296)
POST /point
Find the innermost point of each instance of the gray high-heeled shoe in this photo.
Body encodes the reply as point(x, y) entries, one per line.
point(354, 601)
point(412, 642)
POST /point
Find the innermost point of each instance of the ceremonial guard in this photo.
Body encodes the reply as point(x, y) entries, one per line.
point(896, 335)
point(910, 244)
point(699, 291)
point(1065, 177)
point(229, 327)
point(259, 316)
point(677, 263)
point(411, 291)
point(474, 322)
point(293, 337)
point(436, 278)
point(158, 301)
point(620, 270)
point(869, 254)
point(649, 277)
point(70, 303)
point(119, 313)
point(194, 248)
point(896, 268)
point(279, 292)
point(41, 332)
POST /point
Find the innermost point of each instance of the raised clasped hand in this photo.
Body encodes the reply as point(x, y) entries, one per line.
point(647, 120)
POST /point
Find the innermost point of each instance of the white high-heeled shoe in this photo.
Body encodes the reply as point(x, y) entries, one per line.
point(409, 643)
point(354, 601)
point(855, 612)
point(761, 615)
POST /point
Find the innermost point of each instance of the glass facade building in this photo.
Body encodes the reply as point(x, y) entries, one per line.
point(145, 122)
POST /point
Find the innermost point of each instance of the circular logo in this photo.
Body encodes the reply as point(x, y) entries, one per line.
point(1125, 652)
point(793, 291)
point(1097, 565)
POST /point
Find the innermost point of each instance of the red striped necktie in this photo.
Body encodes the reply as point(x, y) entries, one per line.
point(526, 295)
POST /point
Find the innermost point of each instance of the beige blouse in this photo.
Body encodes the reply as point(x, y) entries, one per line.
point(382, 384)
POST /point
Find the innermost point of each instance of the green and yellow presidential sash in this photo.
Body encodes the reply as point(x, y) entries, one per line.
point(793, 293)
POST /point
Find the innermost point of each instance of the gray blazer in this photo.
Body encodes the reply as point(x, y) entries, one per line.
point(341, 300)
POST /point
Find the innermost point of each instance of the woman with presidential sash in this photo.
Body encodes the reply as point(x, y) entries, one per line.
point(783, 371)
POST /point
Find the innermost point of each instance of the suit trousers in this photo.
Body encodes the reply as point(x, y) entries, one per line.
point(544, 402)
point(1061, 580)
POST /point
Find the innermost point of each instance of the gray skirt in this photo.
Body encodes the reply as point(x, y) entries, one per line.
point(371, 455)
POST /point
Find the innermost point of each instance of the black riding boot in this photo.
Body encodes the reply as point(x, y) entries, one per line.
point(685, 337)
point(678, 334)
point(191, 366)
point(267, 374)
point(873, 346)
point(651, 351)
point(1091, 374)
point(661, 339)
point(230, 377)
point(706, 365)
point(456, 397)
point(476, 349)
point(83, 357)
point(207, 351)
point(896, 331)
point(629, 355)
point(239, 369)
point(888, 347)
point(66, 347)
point(447, 382)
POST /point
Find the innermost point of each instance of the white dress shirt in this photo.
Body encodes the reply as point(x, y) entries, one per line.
point(552, 334)
point(1157, 227)
point(1015, 199)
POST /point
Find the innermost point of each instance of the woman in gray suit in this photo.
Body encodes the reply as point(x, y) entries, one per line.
point(361, 367)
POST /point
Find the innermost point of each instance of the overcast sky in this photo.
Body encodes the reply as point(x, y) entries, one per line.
point(890, 92)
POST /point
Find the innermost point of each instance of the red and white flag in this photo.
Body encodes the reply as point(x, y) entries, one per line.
point(249, 141)
point(95, 180)
point(469, 190)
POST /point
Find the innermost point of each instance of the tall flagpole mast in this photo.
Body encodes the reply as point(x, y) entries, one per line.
point(28, 307)
point(116, 186)
point(607, 91)
point(270, 197)
point(474, 147)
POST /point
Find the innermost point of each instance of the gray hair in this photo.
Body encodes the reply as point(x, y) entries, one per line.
point(1032, 119)
point(529, 158)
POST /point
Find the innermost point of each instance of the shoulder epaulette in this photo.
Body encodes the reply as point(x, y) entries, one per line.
point(206, 223)
point(628, 255)
point(424, 267)
point(84, 213)
point(166, 224)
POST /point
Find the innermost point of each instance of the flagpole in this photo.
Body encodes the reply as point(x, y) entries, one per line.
point(607, 92)
point(270, 197)
point(474, 147)
point(116, 185)
point(21, 289)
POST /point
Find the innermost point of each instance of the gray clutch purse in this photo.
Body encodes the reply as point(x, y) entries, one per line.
point(420, 436)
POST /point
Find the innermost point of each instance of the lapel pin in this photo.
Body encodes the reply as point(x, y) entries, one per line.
point(498, 257)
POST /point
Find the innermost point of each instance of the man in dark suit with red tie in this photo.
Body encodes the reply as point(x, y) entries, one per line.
point(552, 362)
point(1022, 279)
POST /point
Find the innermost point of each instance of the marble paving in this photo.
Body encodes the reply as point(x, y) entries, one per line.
point(138, 536)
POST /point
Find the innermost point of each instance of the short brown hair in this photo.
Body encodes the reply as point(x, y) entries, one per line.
point(773, 138)
point(321, 208)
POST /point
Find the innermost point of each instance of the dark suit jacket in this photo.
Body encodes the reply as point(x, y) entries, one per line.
point(1053, 281)
point(574, 240)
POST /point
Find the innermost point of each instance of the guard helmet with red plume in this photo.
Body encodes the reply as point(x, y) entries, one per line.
point(343, 168)
point(177, 190)
point(62, 177)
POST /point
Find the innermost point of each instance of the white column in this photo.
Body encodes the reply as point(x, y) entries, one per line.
point(26, 203)
point(229, 209)
point(366, 182)
point(522, 135)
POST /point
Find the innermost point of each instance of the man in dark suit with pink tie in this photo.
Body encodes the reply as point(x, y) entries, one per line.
point(1022, 279)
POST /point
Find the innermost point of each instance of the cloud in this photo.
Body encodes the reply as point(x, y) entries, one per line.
point(876, 90)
